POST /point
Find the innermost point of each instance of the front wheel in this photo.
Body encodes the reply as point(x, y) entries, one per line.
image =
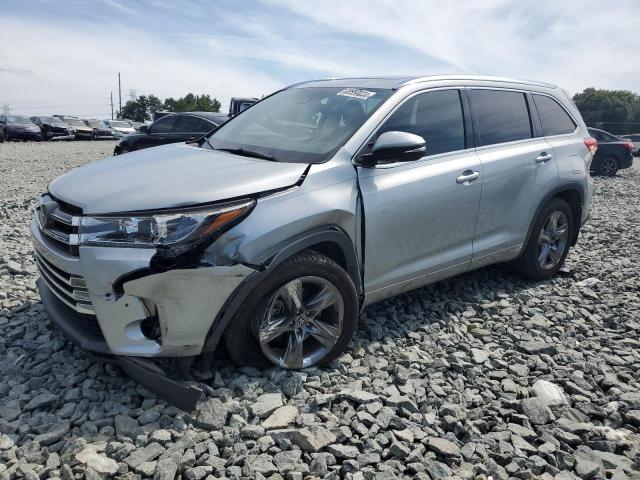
point(303, 314)
point(549, 242)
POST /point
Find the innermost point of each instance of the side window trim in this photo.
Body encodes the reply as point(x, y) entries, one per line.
point(476, 126)
point(575, 123)
point(534, 116)
point(466, 120)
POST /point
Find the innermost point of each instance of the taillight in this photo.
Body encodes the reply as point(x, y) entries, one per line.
point(628, 146)
point(591, 143)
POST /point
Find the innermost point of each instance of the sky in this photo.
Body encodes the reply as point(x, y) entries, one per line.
point(63, 57)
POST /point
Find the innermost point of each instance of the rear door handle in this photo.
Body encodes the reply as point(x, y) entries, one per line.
point(543, 157)
point(468, 176)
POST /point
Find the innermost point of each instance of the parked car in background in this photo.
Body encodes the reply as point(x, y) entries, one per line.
point(272, 233)
point(120, 127)
point(613, 153)
point(172, 128)
point(52, 128)
point(237, 105)
point(81, 130)
point(17, 127)
point(635, 139)
point(99, 129)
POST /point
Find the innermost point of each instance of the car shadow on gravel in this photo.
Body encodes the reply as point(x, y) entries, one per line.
point(80, 376)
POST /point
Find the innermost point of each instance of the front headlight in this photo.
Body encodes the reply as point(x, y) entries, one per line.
point(162, 229)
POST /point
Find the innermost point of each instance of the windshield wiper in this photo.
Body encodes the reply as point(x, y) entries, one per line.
point(247, 153)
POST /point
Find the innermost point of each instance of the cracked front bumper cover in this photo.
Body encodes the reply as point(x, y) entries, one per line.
point(145, 372)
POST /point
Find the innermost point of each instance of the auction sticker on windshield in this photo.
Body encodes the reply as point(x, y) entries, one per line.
point(356, 93)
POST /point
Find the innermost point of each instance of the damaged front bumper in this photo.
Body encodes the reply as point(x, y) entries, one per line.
point(166, 314)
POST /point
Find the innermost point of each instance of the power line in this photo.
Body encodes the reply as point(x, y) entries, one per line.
point(5, 108)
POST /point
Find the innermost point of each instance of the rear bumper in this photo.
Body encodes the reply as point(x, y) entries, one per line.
point(626, 160)
point(144, 372)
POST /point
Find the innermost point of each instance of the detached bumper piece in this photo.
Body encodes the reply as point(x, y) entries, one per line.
point(80, 329)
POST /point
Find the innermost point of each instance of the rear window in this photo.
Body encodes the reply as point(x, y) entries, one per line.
point(502, 116)
point(555, 120)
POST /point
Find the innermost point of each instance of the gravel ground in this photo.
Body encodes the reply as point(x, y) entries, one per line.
point(481, 376)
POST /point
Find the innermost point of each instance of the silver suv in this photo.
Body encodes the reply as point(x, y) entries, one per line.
point(273, 232)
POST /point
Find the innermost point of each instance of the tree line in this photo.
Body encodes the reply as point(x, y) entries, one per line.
point(144, 106)
point(616, 111)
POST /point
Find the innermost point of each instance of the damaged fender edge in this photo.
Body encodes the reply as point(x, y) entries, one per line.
point(187, 302)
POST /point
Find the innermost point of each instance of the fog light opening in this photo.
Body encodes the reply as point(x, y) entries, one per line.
point(150, 328)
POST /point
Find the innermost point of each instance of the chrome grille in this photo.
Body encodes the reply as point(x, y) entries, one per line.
point(58, 222)
point(70, 289)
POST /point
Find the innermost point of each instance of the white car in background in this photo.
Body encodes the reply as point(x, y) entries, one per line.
point(120, 127)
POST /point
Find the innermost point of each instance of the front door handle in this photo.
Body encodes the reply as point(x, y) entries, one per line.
point(543, 157)
point(468, 176)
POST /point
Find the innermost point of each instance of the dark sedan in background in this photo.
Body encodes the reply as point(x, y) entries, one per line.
point(53, 128)
point(172, 128)
point(635, 139)
point(16, 127)
point(613, 153)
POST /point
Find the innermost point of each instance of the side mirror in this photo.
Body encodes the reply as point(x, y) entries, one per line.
point(398, 147)
point(144, 129)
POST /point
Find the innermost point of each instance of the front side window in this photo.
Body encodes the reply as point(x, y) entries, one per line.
point(163, 125)
point(501, 115)
point(307, 124)
point(17, 119)
point(555, 120)
point(435, 116)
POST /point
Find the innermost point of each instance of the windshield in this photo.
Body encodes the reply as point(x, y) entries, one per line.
point(17, 119)
point(52, 120)
point(94, 123)
point(75, 122)
point(306, 125)
point(119, 124)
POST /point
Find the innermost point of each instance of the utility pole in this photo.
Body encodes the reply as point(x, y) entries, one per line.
point(111, 105)
point(119, 96)
point(5, 108)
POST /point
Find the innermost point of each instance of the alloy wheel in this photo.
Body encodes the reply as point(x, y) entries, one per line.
point(302, 322)
point(553, 240)
point(609, 166)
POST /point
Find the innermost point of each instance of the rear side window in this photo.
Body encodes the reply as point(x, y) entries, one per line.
point(435, 116)
point(164, 125)
point(191, 124)
point(501, 116)
point(555, 120)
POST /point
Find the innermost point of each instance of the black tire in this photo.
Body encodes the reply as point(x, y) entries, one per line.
point(608, 167)
point(241, 334)
point(528, 264)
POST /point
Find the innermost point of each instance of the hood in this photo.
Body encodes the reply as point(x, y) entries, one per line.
point(169, 176)
point(124, 129)
point(23, 126)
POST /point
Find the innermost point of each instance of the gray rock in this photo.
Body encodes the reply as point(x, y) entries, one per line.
point(281, 418)
point(261, 464)
point(266, 404)
point(309, 439)
point(443, 447)
point(343, 451)
point(146, 454)
point(537, 411)
point(166, 469)
point(97, 462)
point(126, 427)
point(549, 393)
point(41, 401)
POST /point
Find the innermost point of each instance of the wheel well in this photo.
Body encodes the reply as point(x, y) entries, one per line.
point(333, 251)
point(574, 199)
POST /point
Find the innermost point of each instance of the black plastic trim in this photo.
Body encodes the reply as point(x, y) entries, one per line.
point(273, 257)
point(565, 187)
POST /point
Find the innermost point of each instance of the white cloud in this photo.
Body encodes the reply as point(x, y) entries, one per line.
point(71, 69)
point(574, 43)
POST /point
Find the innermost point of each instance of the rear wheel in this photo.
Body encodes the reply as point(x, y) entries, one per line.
point(549, 242)
point(302, 315)
point(608, 167)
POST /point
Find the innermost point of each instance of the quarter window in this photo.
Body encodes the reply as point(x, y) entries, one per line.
point(163, 125)
point(555, 120)
point(502, 116)
point(435, 116)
